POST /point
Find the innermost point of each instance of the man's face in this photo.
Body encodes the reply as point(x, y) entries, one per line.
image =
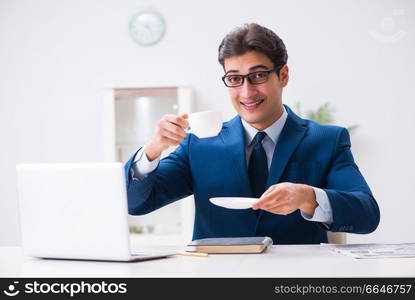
point(259, 105)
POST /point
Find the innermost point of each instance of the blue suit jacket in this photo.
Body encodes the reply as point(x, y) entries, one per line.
point(306, 152)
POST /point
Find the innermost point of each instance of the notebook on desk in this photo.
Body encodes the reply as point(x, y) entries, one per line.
point(230, 245)
point(76, 211)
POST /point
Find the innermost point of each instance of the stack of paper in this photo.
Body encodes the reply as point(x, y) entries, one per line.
point(374, 250)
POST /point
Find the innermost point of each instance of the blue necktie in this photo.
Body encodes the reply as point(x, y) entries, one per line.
point(258, 166)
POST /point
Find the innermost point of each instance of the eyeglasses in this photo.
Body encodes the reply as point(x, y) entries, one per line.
point(253, 78)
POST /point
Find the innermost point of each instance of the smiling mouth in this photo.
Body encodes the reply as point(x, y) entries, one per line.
point(253, 105)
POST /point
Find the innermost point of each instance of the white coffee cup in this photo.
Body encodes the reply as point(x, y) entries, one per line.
point(205, 124)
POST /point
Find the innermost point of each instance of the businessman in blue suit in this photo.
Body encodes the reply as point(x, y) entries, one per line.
point(302, 172)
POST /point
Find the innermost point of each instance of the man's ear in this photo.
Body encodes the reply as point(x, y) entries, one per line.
point(284, 76)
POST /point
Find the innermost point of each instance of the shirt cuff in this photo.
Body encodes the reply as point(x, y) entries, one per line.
point(323, 212)
point(142, 166)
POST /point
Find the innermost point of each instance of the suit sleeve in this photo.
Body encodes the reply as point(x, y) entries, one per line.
point(354, 208)
point(169, 182)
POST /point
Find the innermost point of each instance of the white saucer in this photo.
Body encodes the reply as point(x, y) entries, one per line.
point(234, 202)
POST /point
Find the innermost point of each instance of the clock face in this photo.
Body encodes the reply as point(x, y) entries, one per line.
point(147, 28)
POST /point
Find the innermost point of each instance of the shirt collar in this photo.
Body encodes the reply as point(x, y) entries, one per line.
point(273, 131)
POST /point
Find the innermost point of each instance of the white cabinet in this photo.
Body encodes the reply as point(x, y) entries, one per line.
point(130, 116)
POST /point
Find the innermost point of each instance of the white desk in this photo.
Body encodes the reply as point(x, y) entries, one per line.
point(277, 261)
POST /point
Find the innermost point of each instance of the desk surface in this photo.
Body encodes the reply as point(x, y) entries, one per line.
point(277, 261)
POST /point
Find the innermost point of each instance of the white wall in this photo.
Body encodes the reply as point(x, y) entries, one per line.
point(56, 56)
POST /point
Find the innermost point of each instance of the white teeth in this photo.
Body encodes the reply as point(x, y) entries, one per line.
point(252, 104)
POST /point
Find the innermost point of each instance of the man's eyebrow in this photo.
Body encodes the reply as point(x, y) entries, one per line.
point(231, 71)
point(258, 67)
point(250, 69)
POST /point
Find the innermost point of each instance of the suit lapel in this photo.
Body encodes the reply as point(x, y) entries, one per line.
point(233, 136)
point(291, 135)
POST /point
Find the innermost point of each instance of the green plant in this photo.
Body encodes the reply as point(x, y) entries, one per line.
point(322, 115)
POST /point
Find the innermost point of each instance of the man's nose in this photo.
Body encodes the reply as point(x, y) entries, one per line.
point(248, 90)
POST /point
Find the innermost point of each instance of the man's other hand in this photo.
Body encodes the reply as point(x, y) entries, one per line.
point(285, 198)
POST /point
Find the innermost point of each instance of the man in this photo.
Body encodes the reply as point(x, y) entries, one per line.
point(303, 172)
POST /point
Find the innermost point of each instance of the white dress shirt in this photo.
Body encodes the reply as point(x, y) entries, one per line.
point(323, 212)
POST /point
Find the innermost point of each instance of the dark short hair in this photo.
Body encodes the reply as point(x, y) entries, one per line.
point(253, 37)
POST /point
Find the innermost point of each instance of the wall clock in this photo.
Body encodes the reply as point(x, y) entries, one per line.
point(147, 28)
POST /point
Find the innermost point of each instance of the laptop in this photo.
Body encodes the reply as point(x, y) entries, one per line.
point(76, 211)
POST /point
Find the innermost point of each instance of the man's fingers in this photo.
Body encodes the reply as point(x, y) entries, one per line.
point(271, 203)
point(169, 141)
point(174, 129)
point(277, 206)
point(268, 191)
point(178, 120)
point(172, 136)
point(266, 196)
point(264, 200)
point(260, 202)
